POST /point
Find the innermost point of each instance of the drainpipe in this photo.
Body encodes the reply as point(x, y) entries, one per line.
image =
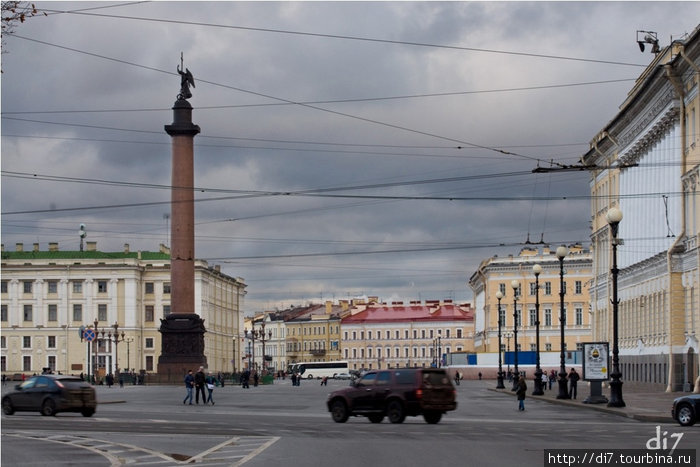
point(678, 86)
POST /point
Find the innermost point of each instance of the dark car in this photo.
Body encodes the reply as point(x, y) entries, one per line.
point(686, 409)
point(395, 393)
point(50, 394)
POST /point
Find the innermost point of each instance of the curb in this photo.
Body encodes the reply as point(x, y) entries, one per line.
point(651, 417)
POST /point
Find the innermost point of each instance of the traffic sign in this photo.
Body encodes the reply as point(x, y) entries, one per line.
point(89, 335)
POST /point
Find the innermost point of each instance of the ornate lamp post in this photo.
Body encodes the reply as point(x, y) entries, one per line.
point(614, 216)
point(515, 285)
point(128, 341)
point(562, 251)
point(508, 335)
point(116, 338)
point(251, 335)
point(262, 335)
point(537, 270)
point(499, 297)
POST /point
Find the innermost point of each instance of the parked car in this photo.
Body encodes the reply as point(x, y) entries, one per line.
point(342, 376)
point(50, 394)
point(686, 409)
point(395, 393)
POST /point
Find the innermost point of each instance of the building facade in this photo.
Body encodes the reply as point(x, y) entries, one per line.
point(497, 274)
point(313, 334)
point(48, 296)
point(379, 335)
point(645, 163)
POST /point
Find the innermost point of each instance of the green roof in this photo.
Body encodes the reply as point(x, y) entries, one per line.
point(29, 255)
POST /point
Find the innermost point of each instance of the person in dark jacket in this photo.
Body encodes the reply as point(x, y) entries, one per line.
point(520, 392)
point(573, 379)
point(199, 381)
point(189, 385)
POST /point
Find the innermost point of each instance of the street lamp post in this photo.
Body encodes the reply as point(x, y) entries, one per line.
point(562, 251)
point(499, 297)
point(614, 216)
point(508, 335)
point(537, 270)
point(128, 341)
point(515, 285)
point(251, 360)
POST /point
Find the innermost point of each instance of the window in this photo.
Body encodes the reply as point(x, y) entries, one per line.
point(3, 342)
point(51, 342)
point(354, 335)
point(548, 347)
point(578, 316)
point(533, 347)
point(26, 363)
point(26, 342)
point(27, 313)
point(149, 287)
point(77, 312)
point(533, 288)
point(3, 364)
point(149, 342)
point(149, 363)
point(101, 286)
point(148, 316)
point(502, 288)
point(422, 334)
point(166, 310)
point(52, 312)
point(52, 362)
point(502, 316)
point(52, 286)
point(518, 317)
point(459, 333)
point(578, 286)
point(547, 316)
point(388, 335)
point(102, 312)
point(563, 286)
point(3, 287)
point(77, 287)
point(548, 288)
point(27, 286)
point(369, 334)
point(3, 312)
point(166, 287)
point(533, 317)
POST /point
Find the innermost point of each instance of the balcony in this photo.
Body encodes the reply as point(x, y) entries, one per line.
point(318, 352)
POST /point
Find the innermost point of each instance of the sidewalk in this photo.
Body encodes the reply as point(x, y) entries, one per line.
point(639, 404)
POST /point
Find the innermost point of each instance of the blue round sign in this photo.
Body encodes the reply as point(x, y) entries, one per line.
point(89, 335)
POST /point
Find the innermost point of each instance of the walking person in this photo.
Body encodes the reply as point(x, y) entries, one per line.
point(294, 379)
point(189, 385)
point(573, 379)
point(199, 381)
point(520, 392)
point(544, 380)
point(211, 383)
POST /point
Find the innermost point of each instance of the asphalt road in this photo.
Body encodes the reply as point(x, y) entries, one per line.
point(285, 425)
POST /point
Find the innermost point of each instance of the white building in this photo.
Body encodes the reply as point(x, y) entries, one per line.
point(48, 295)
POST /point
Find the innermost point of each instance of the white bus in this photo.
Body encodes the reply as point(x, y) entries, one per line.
point(311, 370)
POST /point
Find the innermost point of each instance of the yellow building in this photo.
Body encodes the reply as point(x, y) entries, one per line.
point(497, 274)
point(313, 333)
point(645, 163)
point(47, 296)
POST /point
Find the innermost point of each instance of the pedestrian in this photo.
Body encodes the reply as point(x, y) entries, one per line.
point(479, 376)
point(520, 392)
point(199, 381)
point(294, 379)
point(552, 378)
point(573, 379)
point(324, 381)
point(110, 380)
point(544, 380)
point(211, 382)
point(256, 378)
point(189, 385)
point(245, 377)
point(221, 379)
point(458, 377)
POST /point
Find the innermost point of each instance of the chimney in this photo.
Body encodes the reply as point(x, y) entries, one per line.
point(91, 246)
point(217, 267)
point(329, 307)
point(36, 247)
point(344, 305)
point(53, 246)
point(19, 246)
point(126, 248)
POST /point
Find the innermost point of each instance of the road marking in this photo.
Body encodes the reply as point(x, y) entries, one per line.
point(233, 452)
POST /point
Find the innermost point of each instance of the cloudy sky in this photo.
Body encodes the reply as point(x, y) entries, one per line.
point(347, 149)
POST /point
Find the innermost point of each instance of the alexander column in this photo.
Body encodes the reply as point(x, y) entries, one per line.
point(182, 331)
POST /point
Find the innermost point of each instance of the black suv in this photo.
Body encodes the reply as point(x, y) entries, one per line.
point(395, 394)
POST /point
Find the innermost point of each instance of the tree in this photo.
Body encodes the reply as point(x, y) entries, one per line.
point(14, 12)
